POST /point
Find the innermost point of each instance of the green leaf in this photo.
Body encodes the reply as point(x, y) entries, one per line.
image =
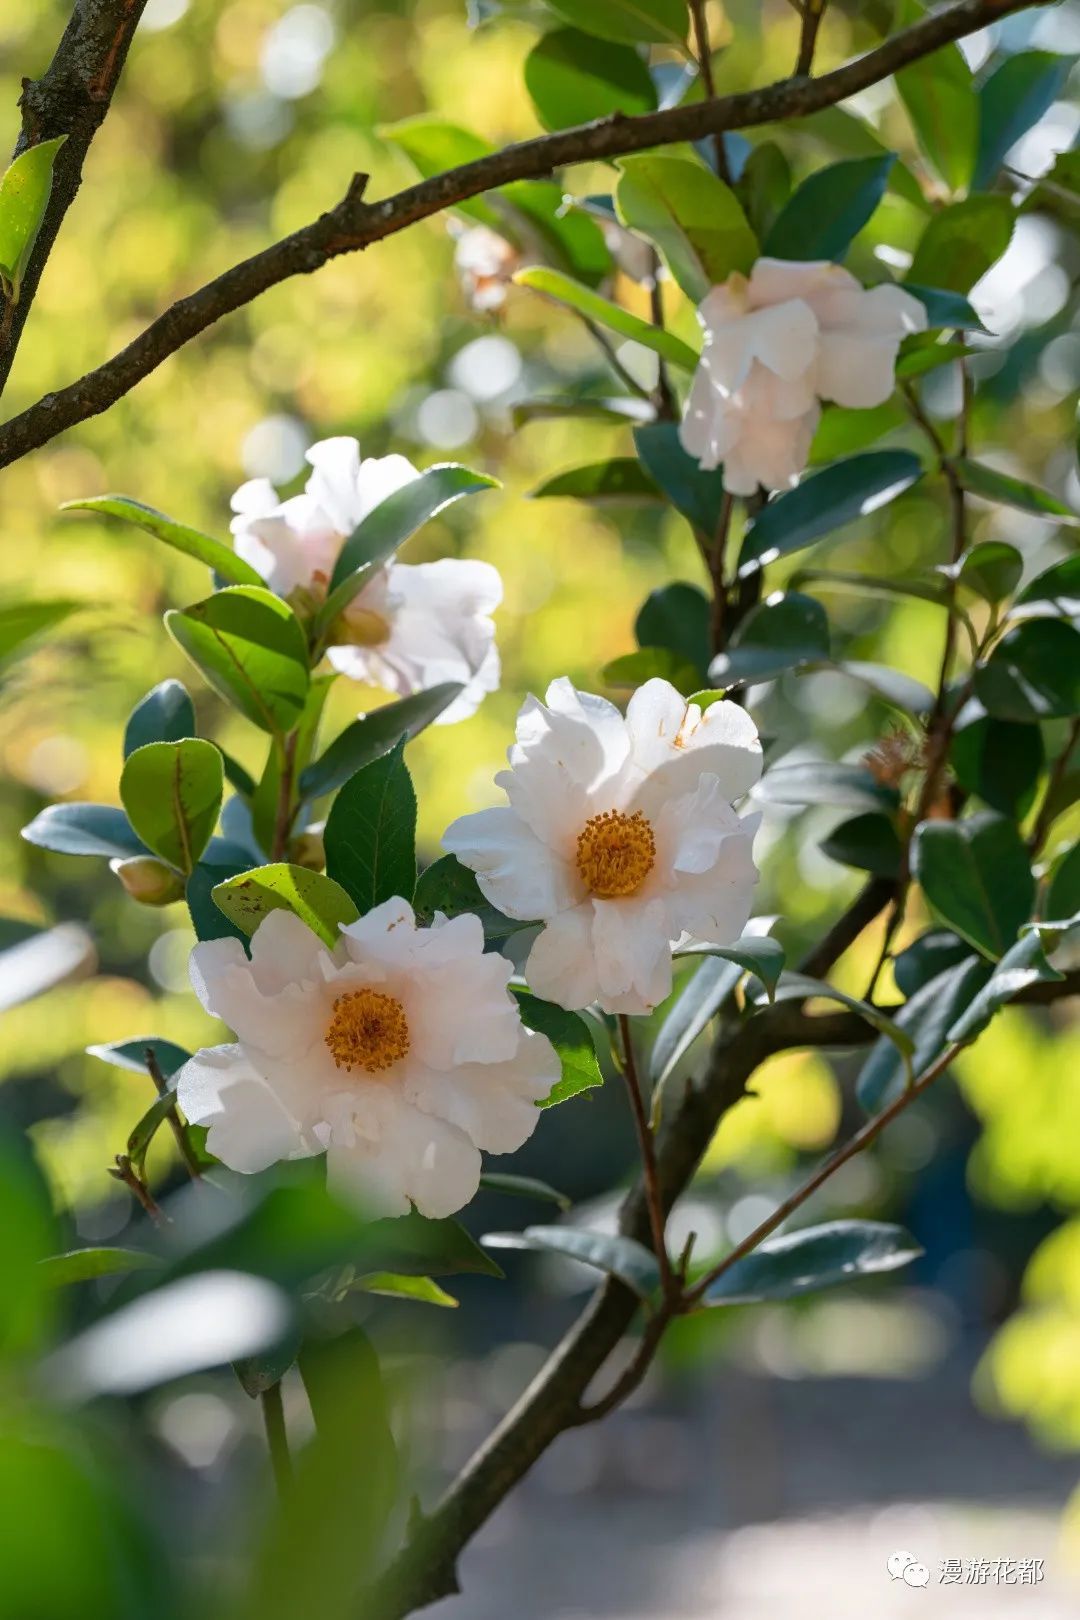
point(221, 558)
point(992, 485)
point(824, 502)
point(139, 1141)
point(976, 875)
point(565, 290)
point(784, 631)
point(265, 801)
point(1023, 965)
point(1056, 590)
point(764, 186)
point(922, 590)
point(24, 196)
point(824, 781)
point(902, 691)
point(698, 495)
point(621, 479)
point(756, 954)
point(812, 1258)
point(172, 794)
point(927, 1017)
point(677, 617)
point(620, 1257)
point(86, 1265)
point(1000, 760)
point(131, 1054)
point(249, 645)
point(414, 1246)
point(394, 1285)
point(372, 736)
point(570, 1037)
point(799, 987)
point(939, 95)
point(1033, 673)
point(926, 351)
point(649, 663)
point(694, 219)
point(570, 81)
point(962, 242)
point(926, 957)
point(166, 714)
point(552, 408)
point(991, 569)
point(217, 866)
point(1063, 890)
point(21, 622)
point(1012, 100)
point(451, 888)
point(524, 1187)
point(370, 834)
point(829, 209)
point(869, 843)
point(85, 829)
point(698, 1002)
point(945, 308)
point(629, 22)
point(536, 214)
point(317, 900)
point(433, 145)
point(259, 1373)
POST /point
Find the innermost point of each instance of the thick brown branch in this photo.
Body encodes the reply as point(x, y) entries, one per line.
point(71, 98)
point(354, 225)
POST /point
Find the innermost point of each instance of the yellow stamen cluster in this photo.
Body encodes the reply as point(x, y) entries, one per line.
point(615, 853)
point(368, 1030)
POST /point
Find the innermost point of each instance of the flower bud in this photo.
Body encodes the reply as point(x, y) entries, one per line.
point(149, 881)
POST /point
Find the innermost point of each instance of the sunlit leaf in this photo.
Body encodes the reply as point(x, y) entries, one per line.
point(976, 875)
point(203, 547)
point(815, 1257)
point(370, 833)
point(825, 501)
point(571, 81)
point(172, 794)
point(375, 734)
point(593, 307)
point(249, 645)
point(694, 219)
point(569, 1035)
point(317, 900)
point(24, 196)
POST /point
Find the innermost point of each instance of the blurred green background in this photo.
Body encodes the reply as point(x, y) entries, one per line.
point(238, 120)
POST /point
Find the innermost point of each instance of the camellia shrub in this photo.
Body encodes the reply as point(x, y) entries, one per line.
point(782, 365)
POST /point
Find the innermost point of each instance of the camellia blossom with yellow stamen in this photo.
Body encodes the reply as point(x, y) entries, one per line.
point(414, 625)
point(621, 837)
point(400, 1054)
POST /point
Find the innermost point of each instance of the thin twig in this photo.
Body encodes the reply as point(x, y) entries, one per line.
point(125, 1172)
point(715, 561)
point(176, 1125)
point(704, 57)
point(1045, 817)
point(812, 13)
point(284, 814)
point(604, 343)
point(277, 1438)
point(664, 397)
point(647, 1149)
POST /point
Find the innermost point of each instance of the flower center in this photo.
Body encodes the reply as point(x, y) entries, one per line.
point(368, 1030)
point(363, 627)
point(615, 853)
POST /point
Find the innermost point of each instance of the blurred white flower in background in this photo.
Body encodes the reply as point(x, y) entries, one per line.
point(485, 263)
point(776, 344)
point(400, 1054)
point(413, 626)
point(620, 837)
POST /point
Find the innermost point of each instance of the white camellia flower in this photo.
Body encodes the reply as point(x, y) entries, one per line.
point(620, 837)
point(485, 263)
point(412, 626)
point(776, 344)
point(400, 1054)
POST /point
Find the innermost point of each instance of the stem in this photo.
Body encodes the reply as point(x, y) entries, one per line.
point(715, 561)
point(125, 1172)
point(283, 818)
point(191, 1163)
point(812, 13)
point(664, 399)
point(277, 1439)
point(862, 1139)
point(1045, 816)
point(704, 59)
point(613, 360)
point(647, 1147)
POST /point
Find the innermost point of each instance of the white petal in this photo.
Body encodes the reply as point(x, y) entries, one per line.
point(774, 281)
point(459, 1008)
point(861, 334)
point(413, 1156)
point(385, 936)
point(633, 953)
point(674, 743)
point(284, 951)
point(300, 538)
point(336, 466)
point(691, 829)
point(276, 1020)
point(380, 477)
point(516, 871)
point(256, 498)
point(493, 1103)
point(562, 965)
point(715, 905)
point(249, 1126)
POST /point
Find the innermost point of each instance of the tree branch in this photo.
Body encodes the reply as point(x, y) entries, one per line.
point(353, 224)
point(71, 98)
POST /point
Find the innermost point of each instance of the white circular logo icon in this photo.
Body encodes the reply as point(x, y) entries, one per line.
point(899, 1562)
point(916, 1575)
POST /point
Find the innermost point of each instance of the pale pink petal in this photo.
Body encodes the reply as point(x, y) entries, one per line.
point(562, 963)
point(249, 1126)
point(513, 867)
point(493, 1103)
point(414, 1156)
point(633, 953)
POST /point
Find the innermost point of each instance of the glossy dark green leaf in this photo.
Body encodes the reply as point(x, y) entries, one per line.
point(962, 242)
point(976, 875)
point(945, 308)
point(569, 1035)
point(1055, 591)
point(1063, 890)
point(620, 1257)
point(317, 900)
point(764, 186)
point(1033, 673)
point(649, 663)
point(826, 213)
point(1000, 760)
point(926, 957)
point(419, 1247)
point(25, 190)
point(992, 485)
point(701, 997)
point(695, 220)
point(87, 1265)
point(927, 1018)
point(991, 569)
point(203, 547)
point(754, 953)
point(902, 691)
point(165, 714)
point(85, 829)
point(801, 987)
point(620, 480)
point(22, 622)
point(825, 781)
point(584, 301)
point(370, 833)
point(1023, 965)
point(939, 95)
point(249, 645)
point(926, 351)
point(524, 1187)
point(698, 495)
point(825, 501)
point(131, 1055)
point(372, 736)
point(781, 633)
point(869, 843)
point(172, 794)
point(676, 617)
point(451, 888)
point(1012, 100)
point(628, 22)
point(815, 1257)
point(217, 866)
point(571, 81)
